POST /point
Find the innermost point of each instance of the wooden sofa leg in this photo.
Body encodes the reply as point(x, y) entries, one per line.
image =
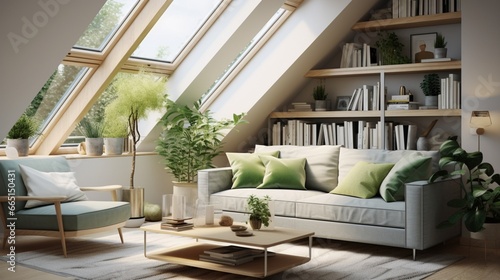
point(61, 227)
point(5, 229)
point(414, 254)
point(120, 233)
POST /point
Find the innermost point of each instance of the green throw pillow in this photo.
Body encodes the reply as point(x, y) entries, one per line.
point(248, 169)
point(363, 180)
point(286, 173)
point(412, 167)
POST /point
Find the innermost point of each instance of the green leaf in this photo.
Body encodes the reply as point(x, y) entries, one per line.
point(438, 175)
point(448, 147)
point(474, 220)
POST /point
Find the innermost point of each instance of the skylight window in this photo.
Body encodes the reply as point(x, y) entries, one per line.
point(175, 29)
point(105, 24)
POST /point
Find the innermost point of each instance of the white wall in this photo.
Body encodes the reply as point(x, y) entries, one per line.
point(98, 171)
point(481, 74)
point(41, 32)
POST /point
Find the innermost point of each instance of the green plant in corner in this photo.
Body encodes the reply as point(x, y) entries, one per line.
point(191, 139)
point(259, 208)
point(480, 202)
point(431, 84)
point(440, 41)
point(319, 92)
point(390, 49)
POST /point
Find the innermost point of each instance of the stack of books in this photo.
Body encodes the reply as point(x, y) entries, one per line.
point(231, 255)
point(402, 102)
point(300, 107)
point(176, 224)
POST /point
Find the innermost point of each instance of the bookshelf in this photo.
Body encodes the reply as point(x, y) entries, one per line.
point(381, 72)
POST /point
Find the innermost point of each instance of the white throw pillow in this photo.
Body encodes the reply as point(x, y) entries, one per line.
point(40, 183)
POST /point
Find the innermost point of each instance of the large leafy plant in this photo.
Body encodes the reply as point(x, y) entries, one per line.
point(191, 139)
point(479, 202)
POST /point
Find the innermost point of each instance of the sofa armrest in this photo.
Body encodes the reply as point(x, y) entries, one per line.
point(426, 207)
point(111, 188)
point(52, 199)
point(213, 180)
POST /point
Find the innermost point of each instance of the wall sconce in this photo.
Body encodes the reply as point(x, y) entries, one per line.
point(479, 120)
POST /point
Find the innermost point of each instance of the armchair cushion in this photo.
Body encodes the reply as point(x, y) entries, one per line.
point(40, 183)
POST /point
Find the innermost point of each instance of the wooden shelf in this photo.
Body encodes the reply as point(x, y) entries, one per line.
point(390, 69)
point(408, 22)
point(365, 114)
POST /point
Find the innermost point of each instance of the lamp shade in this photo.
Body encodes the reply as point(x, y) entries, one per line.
point(480, 119)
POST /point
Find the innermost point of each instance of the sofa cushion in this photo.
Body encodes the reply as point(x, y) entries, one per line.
point(411, 167)
point(40, 183)
point(78, 215)
point(321, 163)
point(347, 209)
point(248, 169)
point(283, 173)
point(363, 180)
point(235, 200)
point(349, 157)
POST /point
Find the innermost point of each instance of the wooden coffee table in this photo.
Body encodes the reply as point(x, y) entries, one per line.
point(263, 239)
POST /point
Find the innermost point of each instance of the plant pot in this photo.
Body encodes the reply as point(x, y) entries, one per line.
point(440, 52)
point(431, 100)
point(489, 235)
point(94, 146)
point(423, 144)
point(135, 197)
point(113, 146)
point(190, 192)
point(320, 105)
point(255, 223)
point(21, 145)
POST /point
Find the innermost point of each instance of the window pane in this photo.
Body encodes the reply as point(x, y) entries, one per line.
point(176, 27)
point(105, 24)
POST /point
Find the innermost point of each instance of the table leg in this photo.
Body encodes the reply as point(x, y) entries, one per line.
point(265, 262)
point(310, 247)
point(145, 255)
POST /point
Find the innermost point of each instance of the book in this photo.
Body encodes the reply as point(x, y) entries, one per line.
point(226, 261)
point(176, 226)
point(424, 60)
point(408, 106)
point(231, 251)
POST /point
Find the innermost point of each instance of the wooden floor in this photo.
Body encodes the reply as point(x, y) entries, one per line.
point(473, 266)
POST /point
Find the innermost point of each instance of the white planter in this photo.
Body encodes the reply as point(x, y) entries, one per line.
point(113, 146)
point(440, 52)
point(190, 192)
point(94, 146)
point(21, 145)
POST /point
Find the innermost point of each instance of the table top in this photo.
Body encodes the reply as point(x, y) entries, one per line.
point(261, 238)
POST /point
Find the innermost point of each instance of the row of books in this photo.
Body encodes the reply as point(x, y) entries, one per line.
point(358, 55)
point(232, 255)
point(366, 98)
point(350, 134)
point(450, 93)
point(411, 8)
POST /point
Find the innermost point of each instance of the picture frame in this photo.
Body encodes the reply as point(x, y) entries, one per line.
point(426, 39)
point(342, 102)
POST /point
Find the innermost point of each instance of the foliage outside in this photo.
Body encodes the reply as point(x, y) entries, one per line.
point(390, 49)
point(259, 208)
point(138, 94)
point(431, 85)
point(319, 92)
point(24, 128)
point(191, 139)
point(480, 203)
point(440, 41)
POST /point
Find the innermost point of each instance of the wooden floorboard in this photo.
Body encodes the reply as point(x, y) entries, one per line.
point(473, 266)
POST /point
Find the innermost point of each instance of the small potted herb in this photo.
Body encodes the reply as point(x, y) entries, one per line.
point(259, 211)
point(93, 131)
point(440, 46)
point(320, 95)
point(18, 136)
point(431, 86)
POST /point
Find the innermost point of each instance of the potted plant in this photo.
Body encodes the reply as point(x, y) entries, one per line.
point(138, 94)
point(431, 86)
point(440, 46)
point(390, 49)
point(18, 136)
point(259, 211)
point(320, 95)
point(92, 130)
point(480, 203)
point(190, 140)
point(115, 132)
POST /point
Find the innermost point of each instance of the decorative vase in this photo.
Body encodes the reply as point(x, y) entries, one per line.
point(94, 146)
point(135, 197)
point(320, 105)
point(21, 145)
point(440, 52)
point(113, 146)
point(190, 192)
point(423, 144)
point(431, 100)
point(255, 223)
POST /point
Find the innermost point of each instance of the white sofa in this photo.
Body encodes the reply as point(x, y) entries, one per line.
point(409, 223)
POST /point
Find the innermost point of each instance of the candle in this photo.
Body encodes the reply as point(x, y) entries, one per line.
point(209, 215)
point(178, 207)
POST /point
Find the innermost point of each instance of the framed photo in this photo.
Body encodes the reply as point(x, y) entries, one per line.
point(342, 102)
point(422, 46)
